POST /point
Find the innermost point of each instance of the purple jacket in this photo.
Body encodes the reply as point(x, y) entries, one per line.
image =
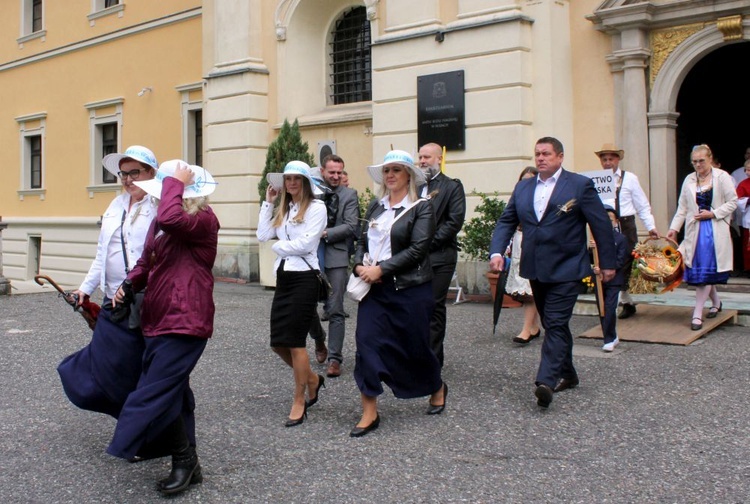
point(176, 266)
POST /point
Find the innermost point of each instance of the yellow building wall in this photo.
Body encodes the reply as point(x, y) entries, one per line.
point(161, 58)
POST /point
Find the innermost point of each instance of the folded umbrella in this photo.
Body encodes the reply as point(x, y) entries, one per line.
point(88, 309)
point(499, 292)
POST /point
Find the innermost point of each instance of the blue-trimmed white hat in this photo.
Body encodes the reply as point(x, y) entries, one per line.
point(397, 157)
point(293, 168)
point(135, 152)
point(203, 183)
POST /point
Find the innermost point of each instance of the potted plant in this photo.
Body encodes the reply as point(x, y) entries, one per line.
point(288, 146)
point(477, 235)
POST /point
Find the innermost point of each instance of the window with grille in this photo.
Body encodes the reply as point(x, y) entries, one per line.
point(350, 61)
point(35, 161)
point(109, 146)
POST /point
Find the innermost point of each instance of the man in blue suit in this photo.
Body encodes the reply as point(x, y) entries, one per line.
point(553, 209)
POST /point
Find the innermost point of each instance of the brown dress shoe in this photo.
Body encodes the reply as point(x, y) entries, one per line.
point(566, 383)
point(321, 352)
point(334, 369)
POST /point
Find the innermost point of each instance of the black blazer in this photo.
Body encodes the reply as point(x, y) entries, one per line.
point(410, 242)
point(449, 205)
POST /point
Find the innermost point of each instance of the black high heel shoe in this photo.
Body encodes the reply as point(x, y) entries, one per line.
point(713, 311)
point(321, 384)
point(361, 431)
point(297, 421)
point(436, 410)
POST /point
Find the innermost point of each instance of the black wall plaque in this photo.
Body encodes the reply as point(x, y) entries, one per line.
point(441, 114)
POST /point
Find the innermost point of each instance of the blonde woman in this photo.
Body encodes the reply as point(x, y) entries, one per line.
point(298, 223)
point(393, 320)
point(707, 201)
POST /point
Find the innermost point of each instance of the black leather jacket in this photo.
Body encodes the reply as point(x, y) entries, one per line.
point(411, 236)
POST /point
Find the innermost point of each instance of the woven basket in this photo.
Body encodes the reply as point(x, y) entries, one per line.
point(676, 273)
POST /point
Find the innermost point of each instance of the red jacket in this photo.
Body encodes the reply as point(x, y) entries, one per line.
point(176, 266)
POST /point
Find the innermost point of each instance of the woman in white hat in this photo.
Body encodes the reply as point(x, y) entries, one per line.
point(177, 320)
point(297, 222)
point(100, 376)
point(393, 320)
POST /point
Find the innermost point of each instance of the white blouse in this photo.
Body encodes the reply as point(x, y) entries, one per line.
point(379, 233)
point(296, 240)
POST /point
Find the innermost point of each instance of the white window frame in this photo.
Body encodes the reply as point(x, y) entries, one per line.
point(98, 10)
point(29, 126)
point(98, 117)
point(27, 20)
point(188, 108)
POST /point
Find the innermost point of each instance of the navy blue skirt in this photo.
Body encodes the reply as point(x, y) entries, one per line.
point(100, 376)
point(704, 269)
point(163, 393)
point(393, 342)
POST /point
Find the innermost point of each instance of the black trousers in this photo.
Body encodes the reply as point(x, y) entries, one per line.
point(629, 229)
point(441, 282)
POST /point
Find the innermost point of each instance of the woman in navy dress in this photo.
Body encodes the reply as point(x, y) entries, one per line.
point(707, 201)
point(393, 320)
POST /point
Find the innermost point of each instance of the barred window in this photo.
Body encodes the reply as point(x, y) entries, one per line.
point(350, 60)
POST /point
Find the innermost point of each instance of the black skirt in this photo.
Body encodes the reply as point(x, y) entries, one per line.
point(294, 304)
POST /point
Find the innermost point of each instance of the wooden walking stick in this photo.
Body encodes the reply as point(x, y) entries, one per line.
point(598, 284)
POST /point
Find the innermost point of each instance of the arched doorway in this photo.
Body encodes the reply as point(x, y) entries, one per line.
point(712, 108)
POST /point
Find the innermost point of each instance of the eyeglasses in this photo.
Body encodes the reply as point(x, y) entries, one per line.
point(698, 161)
point(396, 169)
point(133, 174)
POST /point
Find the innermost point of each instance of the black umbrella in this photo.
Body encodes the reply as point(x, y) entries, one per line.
point(499, 293)
point(88, 309)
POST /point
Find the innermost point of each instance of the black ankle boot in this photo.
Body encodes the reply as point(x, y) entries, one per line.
point(186, 471)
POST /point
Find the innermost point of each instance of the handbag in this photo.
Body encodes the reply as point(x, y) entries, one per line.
point(324, 286)
point(356, 288)
point(134, 316)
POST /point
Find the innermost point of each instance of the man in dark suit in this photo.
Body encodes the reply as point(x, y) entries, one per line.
point(553, 209)
point(449, 204)
point(337, 237)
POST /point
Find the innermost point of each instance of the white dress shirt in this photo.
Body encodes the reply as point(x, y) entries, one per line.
point(379, 233)
point(296, 239)
point(108, 269)
point(543, 191)
point(633, 200)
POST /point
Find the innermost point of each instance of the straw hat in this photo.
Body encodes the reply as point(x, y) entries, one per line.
point(609, 148)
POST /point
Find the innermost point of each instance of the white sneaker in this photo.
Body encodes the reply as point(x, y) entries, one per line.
point(611, 345)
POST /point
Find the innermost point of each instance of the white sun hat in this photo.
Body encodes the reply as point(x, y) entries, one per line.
point(135, 152)
point(293, 168)
point(397, 157)
point(203, 183)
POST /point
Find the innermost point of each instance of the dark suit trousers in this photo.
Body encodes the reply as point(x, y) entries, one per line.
point(609, 320)
point(629, 229)
point(441, 282)
point(555, 303)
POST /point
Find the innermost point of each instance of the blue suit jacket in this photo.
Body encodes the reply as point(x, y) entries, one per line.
point(555, 247)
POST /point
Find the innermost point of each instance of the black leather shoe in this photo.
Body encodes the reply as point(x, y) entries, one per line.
point(186, 471)
point(436, 410)
point(543, 395)
point(698, 326)
point(297, 421)
point(628, 310)
point(321, 383)
point(566, 383)
point(518, 339)
point(713, 311)
point(361, 431)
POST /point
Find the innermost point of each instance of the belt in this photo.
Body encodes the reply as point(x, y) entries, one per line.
point(627, 218)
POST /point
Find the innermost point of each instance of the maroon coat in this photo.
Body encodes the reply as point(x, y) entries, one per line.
point(176, 266)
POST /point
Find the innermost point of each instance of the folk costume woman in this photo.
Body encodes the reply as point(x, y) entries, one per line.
point(177, 319)
point(298, 223)
point(393, 320)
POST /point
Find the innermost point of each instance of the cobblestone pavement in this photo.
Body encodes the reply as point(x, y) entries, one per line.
point(649, 423)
